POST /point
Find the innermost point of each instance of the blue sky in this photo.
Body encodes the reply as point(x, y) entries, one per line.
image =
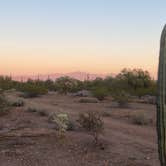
point(100, 36)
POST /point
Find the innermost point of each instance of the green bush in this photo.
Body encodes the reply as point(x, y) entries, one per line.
point(50, 85)
point(100, 93)
point(67, 84)
point(32, 90)
point(6, 83)
point(93, 123)
point(4, 105)
point(122, 98)
point(146, 91)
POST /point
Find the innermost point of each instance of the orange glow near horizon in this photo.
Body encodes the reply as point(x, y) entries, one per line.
point(29, 61)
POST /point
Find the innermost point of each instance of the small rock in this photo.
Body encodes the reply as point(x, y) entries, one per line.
point(147, 158)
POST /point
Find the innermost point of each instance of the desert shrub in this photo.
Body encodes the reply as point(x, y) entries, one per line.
point(141, 119)
point(4, 105)
point(93, 123)
point(49, 84)
point(100, 93)
point(32, 90)
point(146, 91)
point(66, 84)
point(6, 83)
point(122, 98)
point(18, 103)
point(88, 100)
point(135, 78)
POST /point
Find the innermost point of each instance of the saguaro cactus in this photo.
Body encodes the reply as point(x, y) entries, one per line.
point(161, 100)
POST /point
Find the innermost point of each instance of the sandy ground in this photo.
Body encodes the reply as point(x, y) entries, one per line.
point(28, 139)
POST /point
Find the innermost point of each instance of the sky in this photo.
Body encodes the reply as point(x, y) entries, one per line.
point(96, 36)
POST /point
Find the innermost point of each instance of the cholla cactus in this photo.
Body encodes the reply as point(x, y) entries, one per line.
point(62, 123)
point(161, 100)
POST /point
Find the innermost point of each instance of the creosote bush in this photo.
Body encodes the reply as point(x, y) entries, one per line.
point(32, 90)
point(100, 93)
point(67, 84)
point(4, 105)
point(93, 123)
point(122, 98)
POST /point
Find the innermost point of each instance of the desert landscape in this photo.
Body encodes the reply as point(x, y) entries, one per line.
point(28, 138)
point(82, 83)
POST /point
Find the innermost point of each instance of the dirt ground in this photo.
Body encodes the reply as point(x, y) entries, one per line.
point(28, 139)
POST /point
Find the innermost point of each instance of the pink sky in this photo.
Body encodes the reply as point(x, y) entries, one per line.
point(26, 61)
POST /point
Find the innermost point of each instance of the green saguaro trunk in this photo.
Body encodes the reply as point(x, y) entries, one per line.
point(161, 100)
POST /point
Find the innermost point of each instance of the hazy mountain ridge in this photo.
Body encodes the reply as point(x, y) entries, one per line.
point(77, 75)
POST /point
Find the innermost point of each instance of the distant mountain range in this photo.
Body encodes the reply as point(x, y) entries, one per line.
point(77, 75)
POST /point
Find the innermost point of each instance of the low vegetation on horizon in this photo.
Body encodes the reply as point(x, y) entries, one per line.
point(136, 82)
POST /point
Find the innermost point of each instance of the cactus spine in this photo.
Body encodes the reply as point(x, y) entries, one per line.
point(161, 100)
